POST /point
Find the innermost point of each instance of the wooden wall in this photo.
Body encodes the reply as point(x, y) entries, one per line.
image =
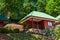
point(34, 24)
point(46, 23)
point(41, 24)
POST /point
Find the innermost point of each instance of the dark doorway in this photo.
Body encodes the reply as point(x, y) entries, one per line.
point(41, 25)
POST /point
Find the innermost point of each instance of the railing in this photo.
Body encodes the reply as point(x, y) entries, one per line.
point(38, 31)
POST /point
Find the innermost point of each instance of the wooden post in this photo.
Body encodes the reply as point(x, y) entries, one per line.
point(32, 22)
point(37, 24)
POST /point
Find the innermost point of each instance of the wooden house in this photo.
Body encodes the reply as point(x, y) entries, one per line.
point(58, 22)
point(38, 20)
point(3, 21)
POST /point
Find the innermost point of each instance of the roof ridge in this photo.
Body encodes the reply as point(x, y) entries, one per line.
point(41, 14)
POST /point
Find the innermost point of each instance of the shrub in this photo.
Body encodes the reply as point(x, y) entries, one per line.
point(57, 29)
point(51, 33)
point(48, 32)
point(24, 24)
point(16, 30)
point(5, 30)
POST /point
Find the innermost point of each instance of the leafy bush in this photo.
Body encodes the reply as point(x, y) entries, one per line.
point(51, 33)
point(3, 30)
point(48, 32)
point(16, 30)
point(57, 29)
point(24, 24)
point(7, 30)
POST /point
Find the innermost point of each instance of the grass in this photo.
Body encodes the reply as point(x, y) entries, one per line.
point(24, 36)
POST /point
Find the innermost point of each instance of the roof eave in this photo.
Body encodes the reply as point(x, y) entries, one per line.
point(37, 17)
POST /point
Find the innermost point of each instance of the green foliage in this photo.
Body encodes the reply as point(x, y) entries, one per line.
point(2, 5)
point(53, 7)
point(24, 36)
point(41, 4)
point(16, 30)
point(48, 31)
point(51, 33)
point(19, 8)
point(7, 30)
point(57, 32)
point(25, 25)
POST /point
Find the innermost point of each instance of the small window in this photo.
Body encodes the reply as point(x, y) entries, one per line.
point(49, 23)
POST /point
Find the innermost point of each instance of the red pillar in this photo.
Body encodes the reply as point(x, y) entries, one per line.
point(45, 23)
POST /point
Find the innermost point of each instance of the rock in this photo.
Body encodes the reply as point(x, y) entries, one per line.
point(15, 26)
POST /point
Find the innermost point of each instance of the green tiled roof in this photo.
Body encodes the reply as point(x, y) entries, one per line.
point(58, 17)
point(38, 14)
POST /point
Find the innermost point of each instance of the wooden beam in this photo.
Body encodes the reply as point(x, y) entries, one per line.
point(35, 19)
point(24, 20)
